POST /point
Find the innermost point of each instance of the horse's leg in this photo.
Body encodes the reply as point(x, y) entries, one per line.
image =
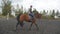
point(36, 26)
point(22, 24)
point(30, 26)
point(17, 25)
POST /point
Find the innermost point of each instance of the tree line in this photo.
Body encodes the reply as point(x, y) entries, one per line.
point(7, 8)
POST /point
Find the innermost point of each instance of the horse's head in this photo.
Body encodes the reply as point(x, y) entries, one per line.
point(38, 16)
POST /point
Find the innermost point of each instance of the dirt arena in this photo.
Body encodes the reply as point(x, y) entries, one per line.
point(45, 27)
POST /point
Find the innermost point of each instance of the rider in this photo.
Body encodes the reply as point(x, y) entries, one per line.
point(31, 13)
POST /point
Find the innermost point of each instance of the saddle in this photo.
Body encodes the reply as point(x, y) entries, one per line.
point(31, 16)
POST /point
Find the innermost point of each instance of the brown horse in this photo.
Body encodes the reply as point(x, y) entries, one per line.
point(38, 15)
point(25, 17)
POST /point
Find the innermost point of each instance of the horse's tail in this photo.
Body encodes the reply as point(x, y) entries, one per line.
point(19, 22)
point(18, 16)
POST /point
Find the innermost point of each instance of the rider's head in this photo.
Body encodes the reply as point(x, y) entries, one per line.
point(30, 9)
point(30, 6)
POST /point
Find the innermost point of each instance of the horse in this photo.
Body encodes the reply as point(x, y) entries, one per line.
point(38, 15)
point(25, 17)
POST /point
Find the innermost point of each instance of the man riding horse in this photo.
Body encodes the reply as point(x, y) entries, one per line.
point(31, 14)
point(25, 17)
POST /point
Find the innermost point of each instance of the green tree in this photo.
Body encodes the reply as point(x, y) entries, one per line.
point(53, 13)
point(57, 13)
point(35, 11)
point(19, 10)
point(44, 13)
point(6, 7)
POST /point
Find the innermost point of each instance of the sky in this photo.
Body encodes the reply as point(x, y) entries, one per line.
point(38, 4)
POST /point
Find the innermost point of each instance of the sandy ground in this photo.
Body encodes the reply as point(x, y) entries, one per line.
point(45, 27)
